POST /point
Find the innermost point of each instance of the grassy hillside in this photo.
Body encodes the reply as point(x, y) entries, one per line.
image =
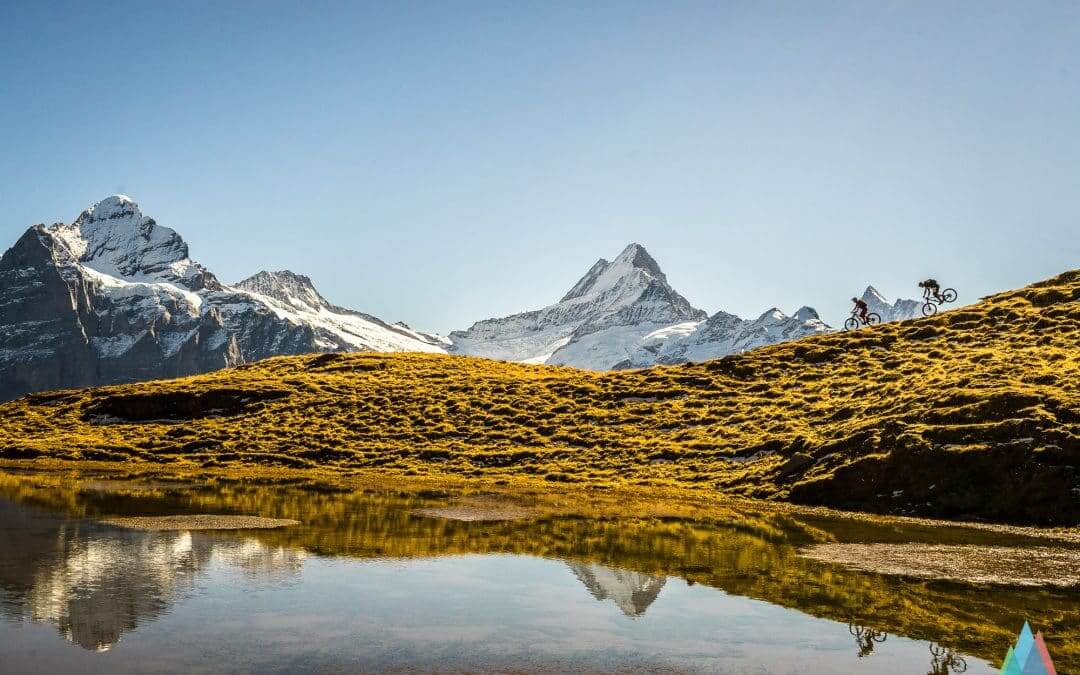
point(975, 412)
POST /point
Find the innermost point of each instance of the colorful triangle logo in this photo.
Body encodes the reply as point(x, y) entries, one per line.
point(1028, 656)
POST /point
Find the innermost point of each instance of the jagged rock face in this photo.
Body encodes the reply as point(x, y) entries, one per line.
point(624, 314)
point(113, 297)
point(900, 310)
point(295, 290)
point(65, 325)
point(40, 320)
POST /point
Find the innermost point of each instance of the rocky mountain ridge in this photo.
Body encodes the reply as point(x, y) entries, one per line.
point(899, 310)
point(115, 297)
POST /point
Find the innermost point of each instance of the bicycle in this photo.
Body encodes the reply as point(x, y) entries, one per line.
point(945, 661)
point(865, 638)
point(855, 321)
point(931, 303)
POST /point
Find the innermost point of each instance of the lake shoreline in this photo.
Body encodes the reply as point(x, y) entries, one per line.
point(644, 500)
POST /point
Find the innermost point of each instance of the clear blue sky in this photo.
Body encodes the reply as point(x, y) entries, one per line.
point(443, 162)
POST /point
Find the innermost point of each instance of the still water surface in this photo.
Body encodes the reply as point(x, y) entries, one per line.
point(365, 584)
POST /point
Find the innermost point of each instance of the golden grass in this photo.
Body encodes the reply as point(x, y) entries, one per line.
point(975, 412)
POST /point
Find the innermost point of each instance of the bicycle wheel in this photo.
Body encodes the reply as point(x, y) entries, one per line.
point(872, 319)
point(948, 295)
point(851, 324)
point(929, 309)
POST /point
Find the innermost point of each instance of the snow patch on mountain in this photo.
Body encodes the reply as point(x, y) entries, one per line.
point(293, 297)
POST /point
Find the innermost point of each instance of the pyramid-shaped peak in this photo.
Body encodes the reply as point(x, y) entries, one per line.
point(635, 256)
point(634, 264)
point(872, 293)
point(633, 592)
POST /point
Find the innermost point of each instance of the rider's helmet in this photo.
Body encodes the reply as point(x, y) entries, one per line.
point(854, 299)
point(921, 284)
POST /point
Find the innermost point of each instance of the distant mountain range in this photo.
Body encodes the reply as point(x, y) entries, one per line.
point(114, 297)
point(624, 314)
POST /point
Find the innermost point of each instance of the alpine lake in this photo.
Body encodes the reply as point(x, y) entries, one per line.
point(108, 573)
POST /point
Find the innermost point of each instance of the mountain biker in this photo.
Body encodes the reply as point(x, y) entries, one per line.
point(861, 309)
point(930, 286)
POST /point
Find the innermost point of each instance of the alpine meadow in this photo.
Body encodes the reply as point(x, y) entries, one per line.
point(972, 413)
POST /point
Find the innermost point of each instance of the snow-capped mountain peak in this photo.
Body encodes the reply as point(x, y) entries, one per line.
point(805, 313)
point(631, 268)
point(293, 297)
point(871, 294)
point(597, 324)
point(115, 207)
point(113, 237)
point(113, 297)
point(295, 290)
point(634, 256)
point(772, 315)
point(624, 313)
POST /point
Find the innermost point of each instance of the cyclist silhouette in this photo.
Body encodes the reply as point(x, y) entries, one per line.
point(931, 286)
point(861, 309)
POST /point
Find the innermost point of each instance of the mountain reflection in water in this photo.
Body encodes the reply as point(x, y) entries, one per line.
point(633, 592)
point(97, 583)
